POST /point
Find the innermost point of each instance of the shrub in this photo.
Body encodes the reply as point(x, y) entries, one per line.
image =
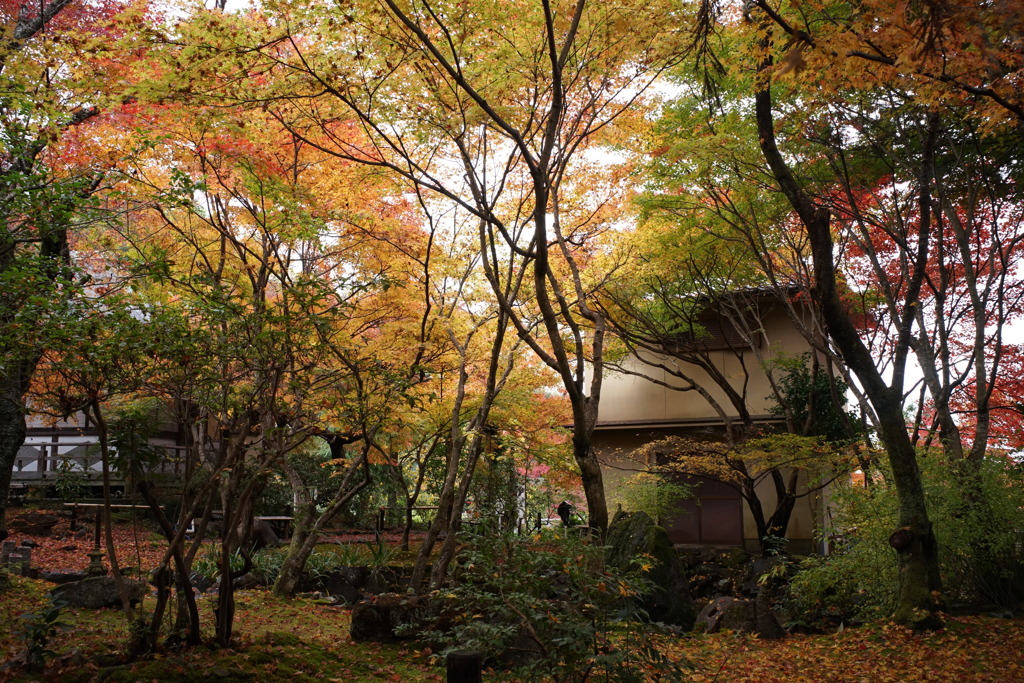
point(550, 610)
point(36, 631)
point(978, 521)
point(323, 562)
point(266, 563)
point(653, 493)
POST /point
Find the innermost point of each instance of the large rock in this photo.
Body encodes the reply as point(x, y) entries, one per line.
point(263, 535)
point(34, 524)
point(17, 559)
point(96, 592)
point(634, 534)
point(344, 583)
point(62, 577)
point(379, 618)
point(742, 615)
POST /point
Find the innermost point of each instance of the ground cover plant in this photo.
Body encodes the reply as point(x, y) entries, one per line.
point(981, 558)
point(304, 639)
point(301, 640)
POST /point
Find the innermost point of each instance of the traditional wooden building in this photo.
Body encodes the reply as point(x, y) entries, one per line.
point(657, 393)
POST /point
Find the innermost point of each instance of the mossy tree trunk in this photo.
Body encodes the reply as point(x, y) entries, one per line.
point(914, 540)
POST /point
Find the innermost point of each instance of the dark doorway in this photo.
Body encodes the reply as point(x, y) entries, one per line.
point(714, 516)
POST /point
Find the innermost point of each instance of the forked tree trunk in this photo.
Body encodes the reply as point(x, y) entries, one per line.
point(182, 580)
point(307, 530)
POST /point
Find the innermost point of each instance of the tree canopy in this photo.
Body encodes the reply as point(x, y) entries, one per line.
point(411, 240)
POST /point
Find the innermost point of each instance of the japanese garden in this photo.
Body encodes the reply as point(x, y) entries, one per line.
point(519, 340)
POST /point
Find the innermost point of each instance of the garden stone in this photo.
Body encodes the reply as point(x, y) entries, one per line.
point(708, 618)
point(735, 558)
point(689, 559)
point(200, 582)
point(62, 577)
point(345, 583)
point(709, 556)
point(740, 615)
point(263, 535)
point(669, 601)
point(17, 559)
point(247, 580)
point(97, 592)
point(378, 619)
point(34, 524)
point(758, 568)
point(382, 580)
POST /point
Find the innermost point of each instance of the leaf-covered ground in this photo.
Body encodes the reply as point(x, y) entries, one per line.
point(299, 639)
point(65, 550)
point(972, 648)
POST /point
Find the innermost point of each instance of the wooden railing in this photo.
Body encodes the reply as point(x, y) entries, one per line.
point(75, 457)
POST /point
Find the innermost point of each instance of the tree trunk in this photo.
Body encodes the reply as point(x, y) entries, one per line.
point(301, 547)
point(306, 534)
point(12, 437)
point(183, 581)
point(785, 502)
point(593, 481)
point(448, 548)
point(914, 541)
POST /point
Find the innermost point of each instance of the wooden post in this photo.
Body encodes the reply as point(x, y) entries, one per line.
point(464, 666)
point(381, 519)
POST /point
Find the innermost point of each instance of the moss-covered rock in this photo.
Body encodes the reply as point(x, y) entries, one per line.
point(634, 535)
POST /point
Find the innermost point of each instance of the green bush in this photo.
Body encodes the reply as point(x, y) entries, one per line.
point(550, 610)
point(653, 493)
point(207, 564)
point(978, 521)
point(37, 630)
point(323, 562)
point(266, 563)
point(71, 482)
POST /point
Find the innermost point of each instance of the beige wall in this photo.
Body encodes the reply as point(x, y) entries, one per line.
point(635, 410)
point(628, 398)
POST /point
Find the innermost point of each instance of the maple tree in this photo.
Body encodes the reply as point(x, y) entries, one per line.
point(701, 312)
point(102, 357)
point(796, 466)
point(508, 98)
point(351, 225)
point(876, 170)
point(947, 54)
point(44, 188)
point(446, 314)
point(915, 540)
point(276, 310)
